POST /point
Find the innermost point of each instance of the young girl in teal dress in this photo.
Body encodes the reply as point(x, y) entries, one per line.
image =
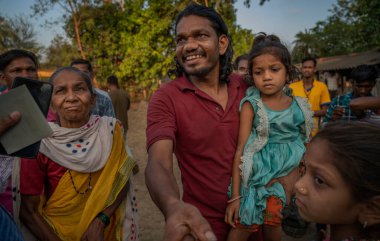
point(274, 126)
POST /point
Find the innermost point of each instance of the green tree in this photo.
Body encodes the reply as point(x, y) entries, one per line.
point(354, 26)
point(72, 10)
point(60, 53)
point(18, 32)
point(135, 40)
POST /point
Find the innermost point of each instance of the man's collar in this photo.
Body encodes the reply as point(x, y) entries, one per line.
point(185, 84)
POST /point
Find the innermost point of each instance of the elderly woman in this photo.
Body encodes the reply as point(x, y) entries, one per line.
point(78, 187)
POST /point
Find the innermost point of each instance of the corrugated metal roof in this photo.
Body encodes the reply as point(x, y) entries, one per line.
point(349, 61)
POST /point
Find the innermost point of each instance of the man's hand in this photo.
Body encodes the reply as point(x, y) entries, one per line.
point(185, 222)
point(8, 121)
point(363, 103)
point(337, 114)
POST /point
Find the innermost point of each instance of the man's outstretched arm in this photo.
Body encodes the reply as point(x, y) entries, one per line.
point(183, 220)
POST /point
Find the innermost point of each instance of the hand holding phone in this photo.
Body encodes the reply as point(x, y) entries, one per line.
point(32, 99)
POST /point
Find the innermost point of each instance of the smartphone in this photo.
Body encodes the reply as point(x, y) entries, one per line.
point(41, 92)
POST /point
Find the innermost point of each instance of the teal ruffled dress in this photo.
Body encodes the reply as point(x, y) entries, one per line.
point(274, 148)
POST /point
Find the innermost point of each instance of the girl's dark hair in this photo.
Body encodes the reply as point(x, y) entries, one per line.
point(270, 44)
point(355, 149)
point(85, 76)
point(220, 28)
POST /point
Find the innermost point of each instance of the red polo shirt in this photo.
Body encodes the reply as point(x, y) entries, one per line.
point(204, 136)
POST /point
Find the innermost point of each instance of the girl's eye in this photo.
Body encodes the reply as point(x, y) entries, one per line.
point(256, 72)
point(318, 180)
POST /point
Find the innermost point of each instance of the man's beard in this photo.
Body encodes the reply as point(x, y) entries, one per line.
point(199, 72)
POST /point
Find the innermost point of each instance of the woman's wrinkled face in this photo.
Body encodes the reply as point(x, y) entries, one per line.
point(323, 195)
point(71, 99)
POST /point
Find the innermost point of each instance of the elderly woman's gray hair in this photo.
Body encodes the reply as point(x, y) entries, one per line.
point(85, 76)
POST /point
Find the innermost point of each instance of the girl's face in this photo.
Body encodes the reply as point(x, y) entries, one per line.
point(269, 74)
point(322, 194)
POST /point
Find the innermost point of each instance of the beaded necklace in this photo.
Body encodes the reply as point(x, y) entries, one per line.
point(308, 91)
point(89, 187)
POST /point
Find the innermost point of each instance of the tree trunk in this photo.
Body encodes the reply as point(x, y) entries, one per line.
point(77, 36)
point(76, 27)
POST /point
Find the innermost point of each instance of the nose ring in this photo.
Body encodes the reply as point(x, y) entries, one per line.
point(302, 189)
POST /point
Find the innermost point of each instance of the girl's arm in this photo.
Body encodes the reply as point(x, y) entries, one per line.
point(95, 230)
point(245, 127)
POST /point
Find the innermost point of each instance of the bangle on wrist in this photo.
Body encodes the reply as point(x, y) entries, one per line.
point(104, 218)
point(234, 199)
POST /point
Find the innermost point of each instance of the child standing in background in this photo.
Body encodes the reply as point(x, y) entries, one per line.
point(341, 185)
point(274, 127)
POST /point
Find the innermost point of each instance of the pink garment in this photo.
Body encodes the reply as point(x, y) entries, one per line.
point(6, 198)
point(51, 116)
point(5, 91)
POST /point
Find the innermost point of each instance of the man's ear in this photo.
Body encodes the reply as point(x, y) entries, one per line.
point(93, 99)
point(370, 214)
point(223, 44)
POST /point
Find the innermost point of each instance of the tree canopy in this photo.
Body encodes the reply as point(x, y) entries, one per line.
point(353, 26)
point(132, 38)
point(17, 32)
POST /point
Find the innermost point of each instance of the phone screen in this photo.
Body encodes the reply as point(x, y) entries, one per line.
point(40, 90)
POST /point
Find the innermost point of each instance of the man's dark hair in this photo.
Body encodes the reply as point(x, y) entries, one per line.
point(364, 73)
point(83, 61)
point(7, 57)
point(220, 28)
point(240, 58)
point(112, 80)
point(310, 58)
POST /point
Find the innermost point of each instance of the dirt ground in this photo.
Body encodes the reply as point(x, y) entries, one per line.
point(151, 219)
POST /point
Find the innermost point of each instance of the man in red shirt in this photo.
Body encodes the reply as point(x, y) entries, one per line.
point(195, 116)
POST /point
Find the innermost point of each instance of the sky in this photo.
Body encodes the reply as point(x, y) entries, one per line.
point(284, 18)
